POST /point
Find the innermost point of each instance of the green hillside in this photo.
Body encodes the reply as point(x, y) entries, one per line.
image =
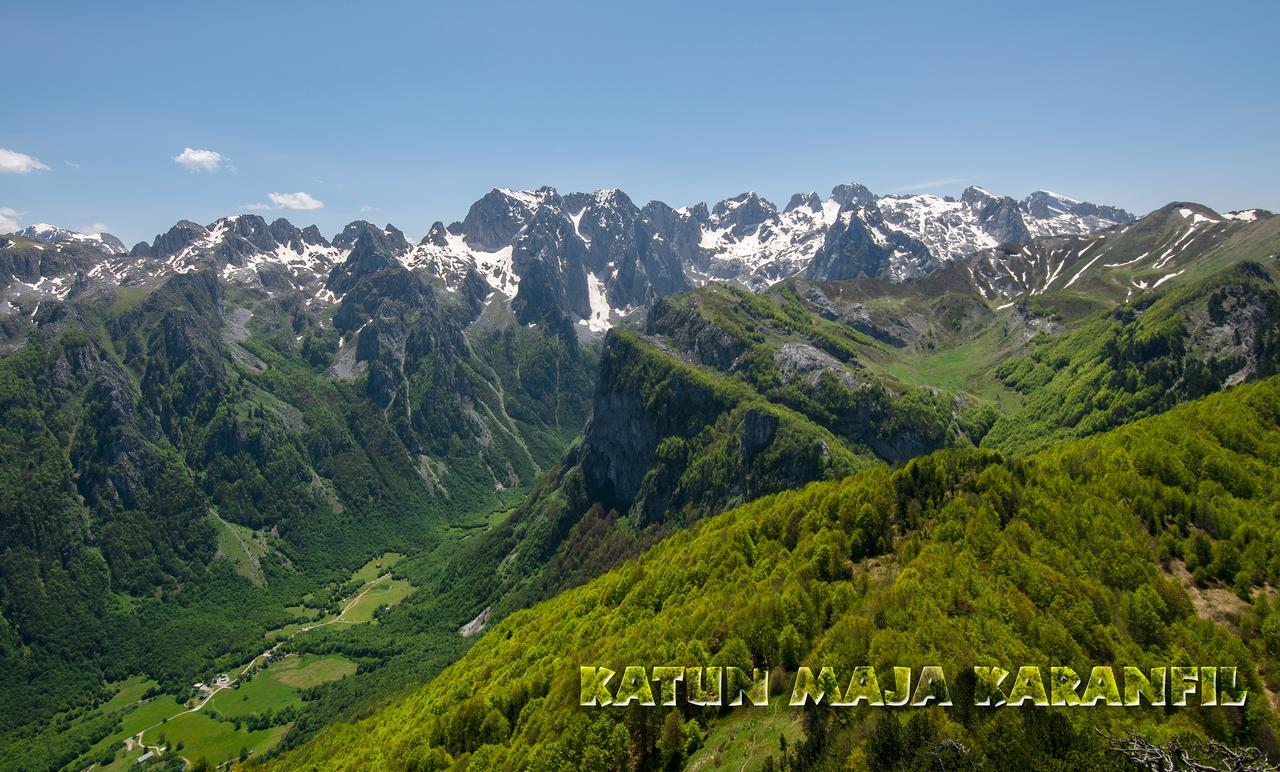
point(1077, 555)
point(1144, 357)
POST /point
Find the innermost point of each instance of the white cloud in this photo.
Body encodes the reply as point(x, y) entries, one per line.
point(94, 228)
point(13, 162)
point(365, 208)
point(203, 160)
point(297, 200)
point(9, 219)
point(72, 164)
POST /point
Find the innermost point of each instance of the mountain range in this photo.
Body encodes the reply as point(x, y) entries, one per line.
point(585, 259)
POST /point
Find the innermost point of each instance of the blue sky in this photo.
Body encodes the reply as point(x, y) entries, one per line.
point(407, 112)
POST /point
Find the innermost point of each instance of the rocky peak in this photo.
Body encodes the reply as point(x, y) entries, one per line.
point(311, 235)
point(743, 213)
point(374, 249)
point(395, 237)
point(681, 230)
point(176, 238)
point(551, 259)
point(862, 245)
point(253, 229)
point(603, 198)
point(388, 238)
point(612, 198)
point(437, 236)
point(609, 218)
point(548, 236)
point(495, 219)
point(699, 213)
point(1046, 204)
point(286, 233)
point(809, 201)
point(52, 234)
point(998, 216)
point(851, 193)
point(977, 197)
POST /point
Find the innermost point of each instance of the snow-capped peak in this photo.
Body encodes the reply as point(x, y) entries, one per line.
point(52, 234)
point(1059, 196)
point(530, 198)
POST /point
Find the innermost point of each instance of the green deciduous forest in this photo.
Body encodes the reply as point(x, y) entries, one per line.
point(1076, 555)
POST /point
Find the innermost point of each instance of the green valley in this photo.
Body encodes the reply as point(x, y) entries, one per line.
point(250, 708)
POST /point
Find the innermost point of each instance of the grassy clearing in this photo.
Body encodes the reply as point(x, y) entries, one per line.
point(311, 670)
point(966, 368)
point(385, 593)
point(134, 717)
point(131, 691)
point(123, 760)
point(151, 712)
point(377, 567)
point(288, 631)
point(274, 688)
point(127, 697)
point(216, 741)
point(748, 736)
point(278, 686)
point(128, 298)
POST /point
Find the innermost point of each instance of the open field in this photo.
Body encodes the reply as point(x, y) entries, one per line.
point(215, 741)
point(385, 593)
point(376, 567)
point(278, 686)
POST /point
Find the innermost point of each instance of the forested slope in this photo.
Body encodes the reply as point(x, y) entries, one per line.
point(148, 431)
point(964, 557)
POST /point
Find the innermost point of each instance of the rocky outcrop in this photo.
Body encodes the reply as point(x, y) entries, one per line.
point(694, 334)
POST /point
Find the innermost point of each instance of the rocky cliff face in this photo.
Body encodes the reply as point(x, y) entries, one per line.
point(632, 411)
point(861, 245)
